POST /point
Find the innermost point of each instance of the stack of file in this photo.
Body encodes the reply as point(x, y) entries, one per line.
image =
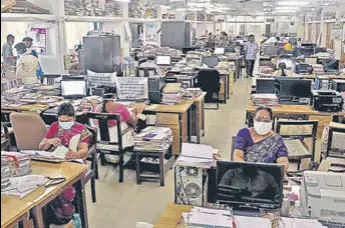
point(318, 69)
point(153, 139)
point(172, 93)
point(206, 217)
point(265, 99)
point(5, 172)
point(191, 93)
point(19, 163)
point(196, 155)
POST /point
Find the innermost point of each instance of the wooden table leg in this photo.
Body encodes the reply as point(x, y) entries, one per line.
point(81, 203)
point(161, 169)
point(137, 169)
point(37, 213)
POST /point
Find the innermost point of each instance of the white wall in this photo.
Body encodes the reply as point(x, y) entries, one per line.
point(75, 32)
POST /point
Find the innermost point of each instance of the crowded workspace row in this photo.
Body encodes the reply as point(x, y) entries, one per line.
point(232, 129)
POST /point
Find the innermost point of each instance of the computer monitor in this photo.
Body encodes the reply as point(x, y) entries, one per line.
point(295, 88)
point(73, 88)
point(330, 65)
point(251, 184)
point(265, 85)
point(219, 51)
point(210, 61)
point(338, 85)
point(163, 60)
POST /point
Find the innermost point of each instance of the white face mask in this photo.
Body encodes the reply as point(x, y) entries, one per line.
point(66, 125)
point(262, 128)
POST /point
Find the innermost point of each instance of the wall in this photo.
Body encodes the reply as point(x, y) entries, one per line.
point(75, 32)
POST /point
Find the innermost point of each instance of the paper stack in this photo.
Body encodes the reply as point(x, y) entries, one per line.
point(5, 172)
point(265, 99)
point(205, 217)
point(190, 93)
point(196, 155)
point(318, 69)
point(19, 163)
point(153, 139)
point(172, 93)
point(305, 223)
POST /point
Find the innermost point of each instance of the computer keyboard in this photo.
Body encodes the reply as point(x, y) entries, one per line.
point(332, 224)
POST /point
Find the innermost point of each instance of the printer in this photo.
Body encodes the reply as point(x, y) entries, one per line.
point(323, 195)
point(327, 100)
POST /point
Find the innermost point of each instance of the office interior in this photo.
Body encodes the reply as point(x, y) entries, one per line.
point(169, 113)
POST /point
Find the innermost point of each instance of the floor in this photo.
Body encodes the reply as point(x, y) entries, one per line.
point(123, 205)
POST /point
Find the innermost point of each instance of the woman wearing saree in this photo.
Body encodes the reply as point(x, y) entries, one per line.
point(260, 143)
point(62, 133)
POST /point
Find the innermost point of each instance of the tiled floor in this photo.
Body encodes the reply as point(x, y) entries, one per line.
point(123, 205)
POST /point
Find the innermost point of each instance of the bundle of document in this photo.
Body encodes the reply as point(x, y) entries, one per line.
point(153, 139)
point(172, 93)
point(18, 163)
point(190, 93)
point(265, 99)
point(5, 172)
point(318, 69)
point(196, 155)
point(206, 217)
point(305, 223)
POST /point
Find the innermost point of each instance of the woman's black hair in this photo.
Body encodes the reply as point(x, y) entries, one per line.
point(106, 98)
point(66, 109)
point(269, 110)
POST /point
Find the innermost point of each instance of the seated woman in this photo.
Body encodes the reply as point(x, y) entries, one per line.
point(260, 143)
point(128, 121)
point(282, 71)
point(75, 136)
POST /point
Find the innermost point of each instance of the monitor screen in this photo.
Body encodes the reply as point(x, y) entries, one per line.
point(163, 60)
point(264, 85)
point(219, 51)
point(72, 88)
point(330, 64)
point(256, 184)
point(339, 85)
point(210, 61)
point(295, 88)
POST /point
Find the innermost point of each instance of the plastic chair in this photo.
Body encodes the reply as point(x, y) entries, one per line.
point(339, 134)
point(29, 130)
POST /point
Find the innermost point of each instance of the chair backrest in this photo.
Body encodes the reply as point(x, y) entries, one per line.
point(29, 130)
point(209, 80)
point(336, 140)
point(232, 153)
point(103, 119)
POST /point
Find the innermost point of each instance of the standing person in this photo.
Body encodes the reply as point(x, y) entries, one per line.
point(7, 51)
point(27, 65)
point(28, 43)
point(251, 49)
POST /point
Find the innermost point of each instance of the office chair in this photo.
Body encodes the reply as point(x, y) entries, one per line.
point(209, 81)
point(336, 142)
point(29, 130)
point(232, 153)
point(146, 71)
point(294, 134)
point(104, 143)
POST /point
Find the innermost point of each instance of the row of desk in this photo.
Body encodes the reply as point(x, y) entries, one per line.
point(14, 210)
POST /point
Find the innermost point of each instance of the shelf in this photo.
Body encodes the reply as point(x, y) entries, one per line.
point(27, 17)
point(92, 19)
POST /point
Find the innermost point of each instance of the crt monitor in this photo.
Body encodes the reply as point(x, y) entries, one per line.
point(338, 85)
point(219, 51)
point(73, 88)
point(299, 88)
point(330, 64)
point(163, 60)
point(250, 184)
point(210, 61)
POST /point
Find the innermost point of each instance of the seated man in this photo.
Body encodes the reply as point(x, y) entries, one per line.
point(282, 71)
point(260, 143)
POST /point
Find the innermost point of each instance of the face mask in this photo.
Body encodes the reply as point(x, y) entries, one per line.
point(66, 125)
point(262, 128)
point(11, 43)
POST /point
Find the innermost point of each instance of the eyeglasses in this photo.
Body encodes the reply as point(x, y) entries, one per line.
point(263, 119)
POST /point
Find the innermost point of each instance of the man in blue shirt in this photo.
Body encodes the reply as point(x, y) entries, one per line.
point(7, 51)
point(251, 49)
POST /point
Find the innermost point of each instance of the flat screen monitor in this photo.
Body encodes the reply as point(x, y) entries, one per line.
point(265, 85)
point(330, 65)
point(210, 61)
point(73, 88)
point(163, 60)
point(338, 85)
point(219, 51)
point(295, 88)
point(251, 184)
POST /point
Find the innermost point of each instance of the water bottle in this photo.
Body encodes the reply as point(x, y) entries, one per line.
point(77, 221)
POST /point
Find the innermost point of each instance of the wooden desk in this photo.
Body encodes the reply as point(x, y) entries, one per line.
point(16, 208)
point(172, 215)
point(35, 108)
point(314, 76)
point(303, 111)
point(198, 117)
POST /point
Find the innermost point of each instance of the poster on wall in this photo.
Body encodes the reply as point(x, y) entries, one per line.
point(39, 43)
point(337, 31)
point(151, 32)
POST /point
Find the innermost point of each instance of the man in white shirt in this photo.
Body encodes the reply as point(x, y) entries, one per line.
point(251, 49)
point(27, 65)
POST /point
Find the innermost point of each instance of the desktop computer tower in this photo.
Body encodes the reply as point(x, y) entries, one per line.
point(156, 85)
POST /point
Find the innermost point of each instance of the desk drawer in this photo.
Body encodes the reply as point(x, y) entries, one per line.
point(168, 119)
